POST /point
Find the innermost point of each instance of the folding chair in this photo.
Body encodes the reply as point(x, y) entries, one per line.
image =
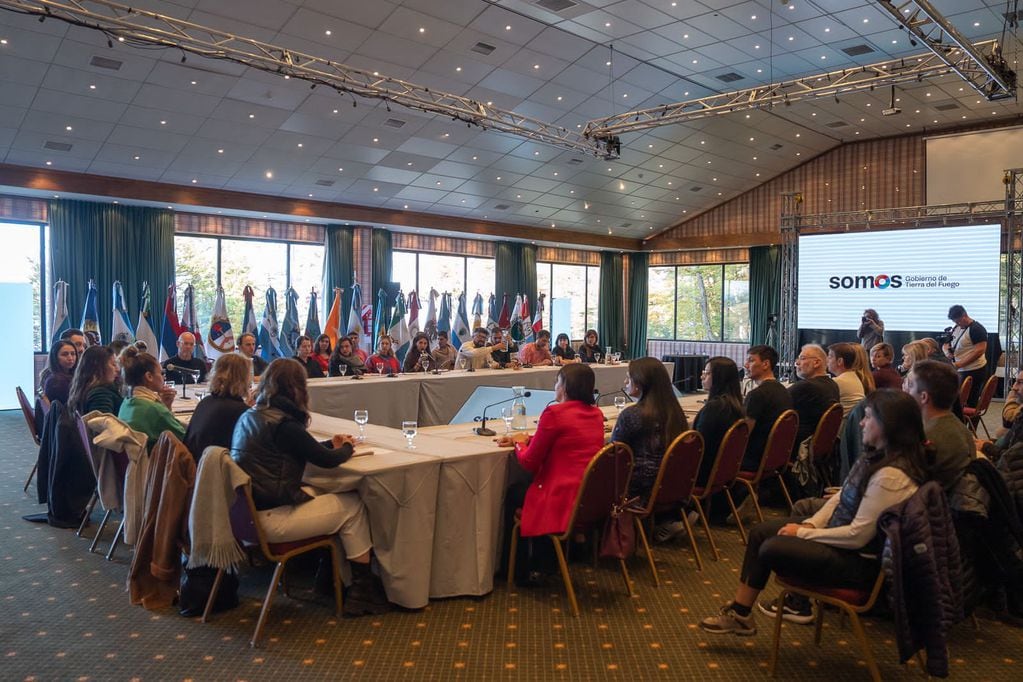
point(975, 415)
point(722, 476)
point(604, 484)
point(672, 488)
point(964, 391)
point(775, 459)
point(822, 446)
point(30, 419)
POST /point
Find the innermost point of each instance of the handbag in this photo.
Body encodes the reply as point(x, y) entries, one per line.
point(619, 539)
point(803, 467)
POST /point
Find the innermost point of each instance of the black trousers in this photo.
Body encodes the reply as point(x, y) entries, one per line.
point(804, 560)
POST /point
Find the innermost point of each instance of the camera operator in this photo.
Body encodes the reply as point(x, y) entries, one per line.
point(871, 331)
point(967, 348)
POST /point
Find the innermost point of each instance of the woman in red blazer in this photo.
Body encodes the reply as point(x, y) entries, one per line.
point(567, 437)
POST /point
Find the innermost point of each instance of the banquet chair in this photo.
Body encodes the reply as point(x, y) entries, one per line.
point(775, 459)
point(605, 484)
point(722, 477)
point(119, 460)
point(30, 419)
point(822, 444)
point(975, 415)
point(672, 489)
point(249, 534)
point(965, 389)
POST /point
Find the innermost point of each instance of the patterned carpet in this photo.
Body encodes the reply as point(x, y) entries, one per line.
point(66, 616)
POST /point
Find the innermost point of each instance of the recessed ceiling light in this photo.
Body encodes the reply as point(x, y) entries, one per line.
point(67, 128)
point(536, 153)
point(310, 196)
point(300, 144)
point(753, 18)
point(559, 98)
point(827, 30)
point(194, 181)
point(376, 139)
point(498, 177)
point(340, 170)
point(49, 163)
point(474, 158)
point(163, 123)
point(220, 151)
point(866, 21)
point(92, 87)
point(194, 83)
point(406, 205)
point(536, 66)
point(269, 175)
point(607, 24)
point(409, 163)
point(335, 111)
point(685, 36)
point(376, 189)
point(3, 41)
point(422, 30)
point(607, 63)
point(252, 116)
point(458, 68)
point(791, 38)
point(756, 47)
point(508, 27)
point(327, 32)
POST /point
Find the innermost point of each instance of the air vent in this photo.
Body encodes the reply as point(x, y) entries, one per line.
point(574, 162)
point(946, 106)
point(857, 50)
point(555, 5)
point(482, 48)
point(775, 147)
point(695, 188)
point(625, 225)
point(57, 146)
point(502, 207)
point(836, 124)
point(394, 123)
point(1014, 16)
point(105, 63)
point(729, 77)
point(325, 183)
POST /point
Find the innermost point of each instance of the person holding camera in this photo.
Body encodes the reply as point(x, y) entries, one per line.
point(967, 347)
point(871, 331)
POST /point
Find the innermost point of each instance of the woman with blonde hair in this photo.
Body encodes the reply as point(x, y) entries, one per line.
point(913, 352)
point(214, 418)
point(861, 365)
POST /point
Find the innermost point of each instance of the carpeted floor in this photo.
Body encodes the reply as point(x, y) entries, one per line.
point(66, 616)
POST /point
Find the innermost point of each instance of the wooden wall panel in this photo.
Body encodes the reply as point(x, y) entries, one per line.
point(247, 228)
point(23, 209)
point(550, 254)
point(424, 243)
point(699, 257)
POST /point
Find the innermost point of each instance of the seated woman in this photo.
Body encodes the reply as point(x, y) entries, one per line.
point(147, 408)
point(414, 358)
point(885, 376)
point(839, 545)
point(272, 445)
point(722, 409)
point(304, 355)
point(344, 355)
point(384, 361)
point(322, 352)
point(913, 351)
point(567, 437)
point(861, 365)
point(590, 350)
point(59, 371)
point(649, 426)
point(563, 352)
point(94, 388)
point(214, 418)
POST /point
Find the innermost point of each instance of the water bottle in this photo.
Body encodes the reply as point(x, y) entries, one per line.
point(607, 356)
point(519, 409)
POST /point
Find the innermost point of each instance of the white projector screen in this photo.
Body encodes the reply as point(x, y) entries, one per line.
point(910, 277)
point(969, 166)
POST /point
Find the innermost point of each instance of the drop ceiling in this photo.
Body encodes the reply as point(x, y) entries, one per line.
point(72, 103)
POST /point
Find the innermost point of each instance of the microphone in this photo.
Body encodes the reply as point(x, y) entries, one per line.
point(194, 373)
point(620, 390)
point(482, 429)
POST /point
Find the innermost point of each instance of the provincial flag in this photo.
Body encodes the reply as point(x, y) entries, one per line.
point(460, 332)
point(333, 330)
point(61, 322)
point(367, 324)
point(90, 316)
point(290, 330)
point(504, 317)
point(515, 323)
point(492, 313)
point(413, 314)
point(171, 329)
point(249, 325)
point(120, 327)
point(144, 330)
point(538, 317)
point(477, 311)
point(269, 334)
point(312, 319)
point(355, 324)
point(190, 322)
point(431, 315)
point(379, 323)
point(220, 339)
point(398, 329)
point(526, 320)
point(444, 317)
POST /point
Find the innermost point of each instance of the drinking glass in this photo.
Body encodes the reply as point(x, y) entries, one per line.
point(507, 414)
point(424, 360)
point(382, 368)
point(620, 403)
point(616, 357)
point(410, 429)
point(361, 418)
point(596, 358)
point(342, 369)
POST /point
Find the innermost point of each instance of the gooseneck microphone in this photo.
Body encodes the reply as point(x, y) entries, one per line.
point(616, 392)
point(482, 429)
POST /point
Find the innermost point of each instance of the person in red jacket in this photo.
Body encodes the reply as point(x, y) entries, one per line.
point(568, 435)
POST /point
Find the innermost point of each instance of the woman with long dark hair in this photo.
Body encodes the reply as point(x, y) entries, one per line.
point(344, 355)
point(419, 349)
point(722, 409)
point(589, 351)
point(649, 426)
point(94, 388)
point(304, 355)
point(321, 352)
point(59, 371)
point(839, 545)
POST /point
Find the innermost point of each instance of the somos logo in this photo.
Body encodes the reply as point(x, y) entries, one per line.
point(865, 282)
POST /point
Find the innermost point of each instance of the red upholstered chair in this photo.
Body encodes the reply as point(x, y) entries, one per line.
point(605, 483)
point(722, 477)
point(249, 534)
point(30, 419)
point(850, 601)
point(775, 459)
point(672, 489)
point(964, 391)
point(822, 447)
point(975, 415)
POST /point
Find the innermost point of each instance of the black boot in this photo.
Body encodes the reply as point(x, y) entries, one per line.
point(366, 594)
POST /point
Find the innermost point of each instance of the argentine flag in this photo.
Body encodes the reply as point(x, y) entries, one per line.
point(120, 327)
point(61, 323)
point(144, 330)
point(399, 329)
point(269, 335)
point(460, 332)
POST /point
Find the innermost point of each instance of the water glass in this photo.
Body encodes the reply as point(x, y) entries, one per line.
point(382, 368)
point(620, 403)
point(616, 357)
point(424, 360)
point(410, 429)
point(596, 358)
point(507, 414)
point(361, 418)
point(342, 368)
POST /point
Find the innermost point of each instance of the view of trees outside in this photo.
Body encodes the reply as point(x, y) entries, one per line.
point(403, 271)
point(21, 265)
point(480, 276)
point(699, 302)
point(307, 274)
point(444, 273)
point(578, 283)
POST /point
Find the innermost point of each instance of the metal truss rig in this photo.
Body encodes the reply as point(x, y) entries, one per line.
point(137, 26)
point(1013, 313)
point(831, 84)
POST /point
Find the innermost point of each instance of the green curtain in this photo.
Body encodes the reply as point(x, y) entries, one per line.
point(515, 272)
point(638, 298)
point(338, 268)
point(108, 243)
point(380, 255)
point(764, 290)
point(611, 308)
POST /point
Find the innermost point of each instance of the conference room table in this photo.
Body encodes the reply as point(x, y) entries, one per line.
point(434, 399)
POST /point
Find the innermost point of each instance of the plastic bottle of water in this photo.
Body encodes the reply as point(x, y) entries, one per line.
point(519, 409)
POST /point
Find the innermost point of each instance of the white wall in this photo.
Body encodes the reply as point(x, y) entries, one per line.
point(969, 166)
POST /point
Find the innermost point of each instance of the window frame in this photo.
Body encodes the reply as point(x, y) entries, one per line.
point(44, 268)
point(465, 271)
point(220, 238)
point(549, 311)
point(721, 294)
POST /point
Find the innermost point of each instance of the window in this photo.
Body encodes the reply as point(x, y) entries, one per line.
point(454, 274)
point(237, 263)
point(699, 302)
point(23, 255)
point(572, 297)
